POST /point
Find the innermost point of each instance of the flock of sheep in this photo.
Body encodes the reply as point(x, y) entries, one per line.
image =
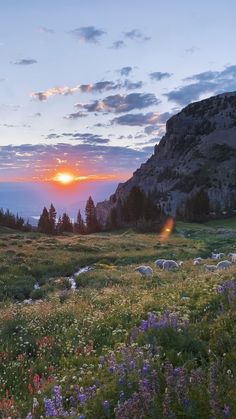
point(169, 265)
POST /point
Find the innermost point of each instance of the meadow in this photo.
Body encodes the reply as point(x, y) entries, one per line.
point(120, 345)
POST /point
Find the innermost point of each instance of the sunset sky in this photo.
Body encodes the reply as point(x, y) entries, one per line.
point(87, 85)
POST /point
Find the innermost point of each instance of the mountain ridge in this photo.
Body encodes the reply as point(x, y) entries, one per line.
point(198, 152)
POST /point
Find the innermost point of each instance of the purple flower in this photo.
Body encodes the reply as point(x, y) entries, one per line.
point(226, 411)
point(106, 404)
point(50, 408)
point(122, 396)
point(82, 398)
point(29, 416)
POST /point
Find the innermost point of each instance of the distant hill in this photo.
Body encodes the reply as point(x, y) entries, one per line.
point(197, 153)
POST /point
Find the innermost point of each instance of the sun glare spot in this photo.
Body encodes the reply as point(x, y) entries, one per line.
point(64, 178)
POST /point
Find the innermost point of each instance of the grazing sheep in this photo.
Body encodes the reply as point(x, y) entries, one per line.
point(210, 268)
point(233, 257)
point(144, 270)
point(159, 263)
point(224, 264)
point(169, 265)
point(197, 261)
point(217, 255)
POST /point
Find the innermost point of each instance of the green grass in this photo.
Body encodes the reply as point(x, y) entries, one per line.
point(90, 337)
point(225, 223)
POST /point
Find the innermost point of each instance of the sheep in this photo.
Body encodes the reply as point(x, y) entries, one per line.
point(217, 255)
point(169, 265)
point(224, 264)
point(159, 263)
point(197, 261)
point(144, 270)
point(233, 257)
point(210, 268)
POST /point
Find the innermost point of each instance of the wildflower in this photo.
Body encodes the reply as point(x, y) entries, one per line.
point(50, 408)
point(106, 404)
point(226, 411)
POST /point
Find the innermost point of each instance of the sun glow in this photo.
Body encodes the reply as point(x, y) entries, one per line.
point(64, 178)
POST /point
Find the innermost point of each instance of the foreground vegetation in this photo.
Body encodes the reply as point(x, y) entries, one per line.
point(119, 346)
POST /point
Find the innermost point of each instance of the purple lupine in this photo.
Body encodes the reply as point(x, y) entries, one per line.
point(167, 409)
point(213, 390)
point(50, 408)
point(29, 416)
point(196, 376)
point(226, 411)
point(106, 405)
point(82, 398)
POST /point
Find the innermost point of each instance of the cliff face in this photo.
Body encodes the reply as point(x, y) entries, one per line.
point(197, 152)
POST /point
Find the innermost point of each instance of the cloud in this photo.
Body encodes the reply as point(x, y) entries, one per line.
point(98, 87)
point(43, 29)
point(85, 138)
point(158, 76)
point(121, 103)
point(192, 50)
point(125, 71)
point(136, 34)
point(25, 61)
point(118, 44)
point(76, 115)
point(204, 84)
point(138, 119)
point(88, 34)
point(36, 161)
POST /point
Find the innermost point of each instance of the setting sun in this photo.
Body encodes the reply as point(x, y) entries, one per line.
point(64, 178)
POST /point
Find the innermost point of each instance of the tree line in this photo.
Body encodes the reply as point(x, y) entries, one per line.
point(7, 219)
point(49, 223)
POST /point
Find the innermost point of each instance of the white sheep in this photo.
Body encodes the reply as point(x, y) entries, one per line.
point(210, 268)
point(233, 257)
point(144, 270)
point(197, 261)
point(224, 264)
point(159, 263)
point(170, 265)
point(217, 255)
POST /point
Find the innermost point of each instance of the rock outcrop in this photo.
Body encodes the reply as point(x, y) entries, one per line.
point(198, 152)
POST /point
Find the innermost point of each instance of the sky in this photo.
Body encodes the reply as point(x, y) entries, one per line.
point(87, 85)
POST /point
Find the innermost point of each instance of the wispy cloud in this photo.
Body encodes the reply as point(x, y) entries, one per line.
point(88, 34)
point(43, 29)
point(158, 75)
point(125, 71)
point(204, 84)
point(136, 35)
point(121, 103)
point(25, 61)
point(138, 119)
point(98, 87)
point(118, 44)
point(37, 162)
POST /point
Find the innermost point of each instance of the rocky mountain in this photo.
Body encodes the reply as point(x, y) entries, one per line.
point(198, 152)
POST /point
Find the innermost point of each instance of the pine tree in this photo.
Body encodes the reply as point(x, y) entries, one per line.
point(52, 219)
point(44, 222)
point(59, 225)
point(67, 225)
point(79, 226)
point(91, 218)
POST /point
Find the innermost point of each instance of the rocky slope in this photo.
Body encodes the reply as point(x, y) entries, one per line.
point(197, 152)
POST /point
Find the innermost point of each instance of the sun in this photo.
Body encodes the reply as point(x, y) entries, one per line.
point(64, 178)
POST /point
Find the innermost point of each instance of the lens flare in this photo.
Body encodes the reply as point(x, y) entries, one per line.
point(167, 229)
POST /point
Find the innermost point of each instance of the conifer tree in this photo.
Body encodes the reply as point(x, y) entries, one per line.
point(66, 225)
point(44, 222)
point(52, 219)
point(91, 217)
point(79, 225)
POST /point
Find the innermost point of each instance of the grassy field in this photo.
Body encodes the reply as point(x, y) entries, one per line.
point(119, 346)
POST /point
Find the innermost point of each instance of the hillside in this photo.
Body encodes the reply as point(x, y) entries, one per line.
point(119, 345)
point(198, 152)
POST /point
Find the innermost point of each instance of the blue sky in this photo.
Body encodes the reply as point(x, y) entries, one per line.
point(89, 84)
